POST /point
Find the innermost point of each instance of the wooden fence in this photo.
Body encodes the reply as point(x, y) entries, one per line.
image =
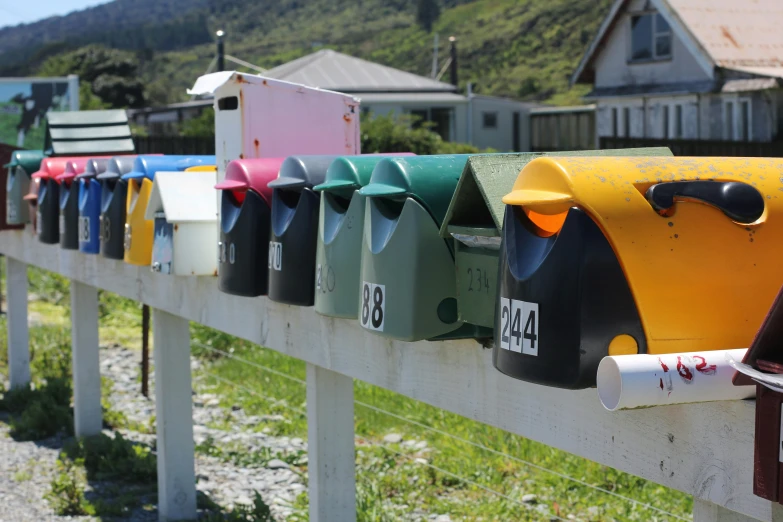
point(175, 144)
point(702, 449)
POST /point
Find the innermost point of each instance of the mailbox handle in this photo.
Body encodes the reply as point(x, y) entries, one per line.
point(739, 201)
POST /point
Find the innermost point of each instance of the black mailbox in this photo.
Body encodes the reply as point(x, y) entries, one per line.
point(114, 194)
point(294, 232)
point(245, 214)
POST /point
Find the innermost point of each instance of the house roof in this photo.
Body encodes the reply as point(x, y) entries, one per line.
point(79, 133)
point(340, 72)
point(741, 36)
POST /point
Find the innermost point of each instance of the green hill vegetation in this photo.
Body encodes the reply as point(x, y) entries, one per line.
point(525, 49)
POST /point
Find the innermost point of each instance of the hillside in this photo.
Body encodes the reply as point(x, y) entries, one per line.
point(525, 49)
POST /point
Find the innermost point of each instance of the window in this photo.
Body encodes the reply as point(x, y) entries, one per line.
point(615, 123)
point(651, 37)
point(627, 121)
point(666, 133)
point(678, 121)
point(729, 120)
point(743, 133)
point(440, 120)
point(489, 120)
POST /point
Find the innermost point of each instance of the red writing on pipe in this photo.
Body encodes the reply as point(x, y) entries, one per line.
point(684, 371)
point(703, 367)
point(667, 378)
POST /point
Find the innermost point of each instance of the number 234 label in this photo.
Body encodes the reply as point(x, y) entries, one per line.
point(519, 326)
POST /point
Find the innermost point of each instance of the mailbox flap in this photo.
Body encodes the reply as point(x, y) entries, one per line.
point(298, 172)
point(117, 167)
point(477, 201)
point(72, 168)
point(183, 196)
point(352, 172)
point(252, 174)
point(29, 160)
point(94, 167)
point(51, 168)
point(430, 180)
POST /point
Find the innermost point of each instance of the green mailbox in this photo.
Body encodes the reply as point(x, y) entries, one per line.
point(22, 165)
point(407, 288)
point(340, 226)
point(474, 222)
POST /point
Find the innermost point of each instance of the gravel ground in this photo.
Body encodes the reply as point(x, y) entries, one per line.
point(25, 471)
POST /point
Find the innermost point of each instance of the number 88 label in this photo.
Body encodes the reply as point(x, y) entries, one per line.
point(373, 309)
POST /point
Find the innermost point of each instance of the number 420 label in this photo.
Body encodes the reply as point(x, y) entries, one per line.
point(519, 326)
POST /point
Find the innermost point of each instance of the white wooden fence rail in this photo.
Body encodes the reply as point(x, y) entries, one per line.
point(702, 449)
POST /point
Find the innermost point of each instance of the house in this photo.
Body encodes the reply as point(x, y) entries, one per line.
point(483, 121)
point(688, 69)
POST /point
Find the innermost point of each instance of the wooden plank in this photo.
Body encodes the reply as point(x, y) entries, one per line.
point(18, 335)
point(704, 511)
point(330, 446)
point(174, 417)
point(88, 417)
point(702, 449)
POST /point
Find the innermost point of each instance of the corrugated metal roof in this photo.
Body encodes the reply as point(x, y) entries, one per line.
point(87, 132)
point(411, 97)
point(736, 33)
point(331, 70)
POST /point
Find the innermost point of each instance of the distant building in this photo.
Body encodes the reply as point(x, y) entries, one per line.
point(483, 121)
point(688, 69)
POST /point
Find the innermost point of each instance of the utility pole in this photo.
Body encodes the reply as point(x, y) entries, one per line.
point(435, 57)
point(453, 68)
point(221, 54)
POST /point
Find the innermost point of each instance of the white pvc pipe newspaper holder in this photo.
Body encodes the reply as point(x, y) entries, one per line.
point(640, 381)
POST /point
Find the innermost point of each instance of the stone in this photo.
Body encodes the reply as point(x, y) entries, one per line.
point(529, 498)
point(277, 464)
point(393, 438)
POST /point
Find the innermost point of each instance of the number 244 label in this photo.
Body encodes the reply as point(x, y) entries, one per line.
point(519, 326)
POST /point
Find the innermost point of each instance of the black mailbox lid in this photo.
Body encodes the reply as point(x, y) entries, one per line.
point(94, 167)
point(294, 230)
point(114, 191)
point(245, 216)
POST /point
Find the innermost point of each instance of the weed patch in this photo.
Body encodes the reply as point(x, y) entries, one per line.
point(107, 458)
point(41, 412)
point(67, 490)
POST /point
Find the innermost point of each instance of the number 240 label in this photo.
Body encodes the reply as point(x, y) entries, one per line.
point(519, 326)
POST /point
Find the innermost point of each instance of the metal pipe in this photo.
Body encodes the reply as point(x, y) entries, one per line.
point(221, 54)
point(145, 350)
point(453, 68)
point(639, 381)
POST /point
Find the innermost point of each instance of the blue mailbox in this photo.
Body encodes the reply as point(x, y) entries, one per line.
point(90, 205)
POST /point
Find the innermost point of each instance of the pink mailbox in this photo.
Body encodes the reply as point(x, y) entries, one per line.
point(257, 117)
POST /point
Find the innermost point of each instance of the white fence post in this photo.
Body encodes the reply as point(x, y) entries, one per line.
point(330, 446)
point(18, 335)
point(174, 411)
point(88, 417)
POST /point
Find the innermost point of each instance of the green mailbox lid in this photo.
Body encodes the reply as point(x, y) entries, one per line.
point(29, 160)
point(488, 177)
point(353, 172)
point(430, 180)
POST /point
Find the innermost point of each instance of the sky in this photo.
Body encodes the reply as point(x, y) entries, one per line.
point(13, 12)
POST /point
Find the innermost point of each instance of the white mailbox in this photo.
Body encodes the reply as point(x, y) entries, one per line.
point(184, 210)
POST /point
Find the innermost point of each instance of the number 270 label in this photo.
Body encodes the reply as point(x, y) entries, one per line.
point(519, 326)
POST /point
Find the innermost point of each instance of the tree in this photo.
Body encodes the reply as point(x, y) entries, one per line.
point(427, 13)
point(112, 75)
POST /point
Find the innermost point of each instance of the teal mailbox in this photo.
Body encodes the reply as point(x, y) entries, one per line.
point(340, 227)
point(408, 289)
